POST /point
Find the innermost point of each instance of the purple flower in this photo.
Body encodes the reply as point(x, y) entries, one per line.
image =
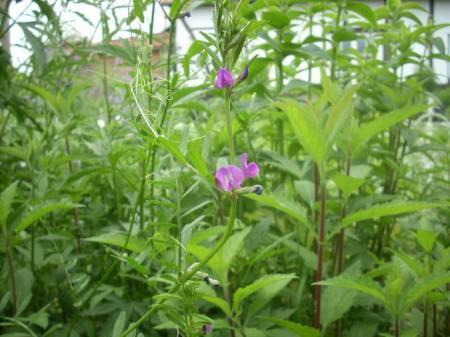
point(207, 328)
point(230, 177)
point(224, 79)
point(251, 170)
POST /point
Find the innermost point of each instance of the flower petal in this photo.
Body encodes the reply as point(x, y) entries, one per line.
point(236, 176)
point(229, 178)
point(224, 79)
point(250, 170)
point(222, 181)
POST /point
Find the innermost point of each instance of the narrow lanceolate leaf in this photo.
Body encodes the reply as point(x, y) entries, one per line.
point(390, 209)
point(221, 303)
point(425, 286)
point(364, 10)
point(40, 212)
point(298, 329)
point(119, 239)
point(306, 128)
point(265, 295)
point(266, 281)
point(339, 115)
point(6, 199)
point(120, 324)
point(360, 283)
point(368, 130)
point(288, 207)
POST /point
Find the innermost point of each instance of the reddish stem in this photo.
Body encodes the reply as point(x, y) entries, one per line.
point(320, 262)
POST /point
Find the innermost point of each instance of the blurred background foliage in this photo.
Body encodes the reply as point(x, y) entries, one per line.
point(108, 153)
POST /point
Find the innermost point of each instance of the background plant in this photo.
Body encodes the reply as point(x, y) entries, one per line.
point(100, 223)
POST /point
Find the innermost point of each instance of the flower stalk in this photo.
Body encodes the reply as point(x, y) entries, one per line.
point(187, 276)
point(229, 121)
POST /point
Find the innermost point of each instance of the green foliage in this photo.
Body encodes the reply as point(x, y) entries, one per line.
point(113, 226)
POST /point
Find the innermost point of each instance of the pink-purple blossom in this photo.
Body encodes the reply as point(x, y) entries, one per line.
point(207, 328)
point(231, 177)
point(224, 79)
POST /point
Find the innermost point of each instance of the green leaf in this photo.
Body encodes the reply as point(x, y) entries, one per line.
point(290, 208)
point(276, 19)
point(196, 47)
point(177, 8)
point(331, 90)
point(119, 239)
point(221, 262)
point(222, 304)
point(439, 44)
point(425, 286)
point(383, 123)
point(307, 129)
point(231, 248)
point(173, 149)
point(6, 199)
point(120, 324)
point(308, 257)
point(138, 9)
point(54, 101)
point(24, 285)
point(39, 212)
point(298, 329)
point(339, 114)
point(265, 295)
point(389, 210)
point(364, 10)
point(266, 281)
point(39, 53)
point(360, 283)
point(344, 34)
point(426, 239)
point(331, 296)
point(196, 158)
point(363, 328)
point(347, 184)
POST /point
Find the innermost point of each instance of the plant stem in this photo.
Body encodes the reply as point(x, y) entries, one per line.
point(75, 217)
point(226, 295)
point(335, 44)
point(397, 327)
point(168, 72)
point(149, 101)
point(164, 114)
point(12, 274)
point(105, 90)
point(341, 240)
point(280, 81)
point(188, 276)
point(321, 256)
point(447, 326)
point(425, 320)
point(229, 125)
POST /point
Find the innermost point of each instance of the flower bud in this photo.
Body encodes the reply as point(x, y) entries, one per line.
point(257, 189)
point(224, 79)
